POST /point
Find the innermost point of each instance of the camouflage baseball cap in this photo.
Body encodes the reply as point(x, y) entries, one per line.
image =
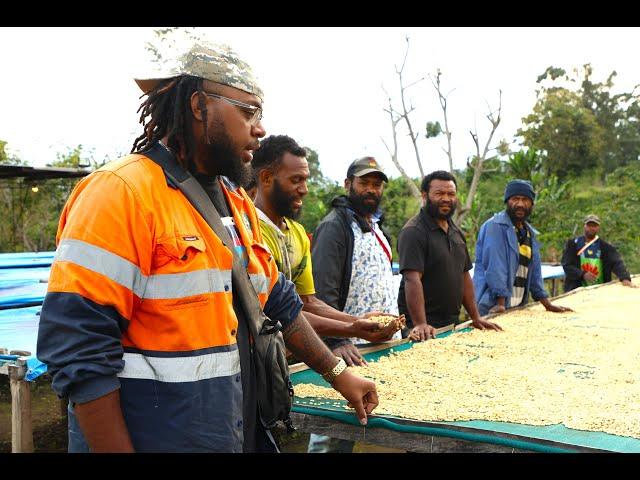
point(592, 218)
point(215, 62)
point(363, 166)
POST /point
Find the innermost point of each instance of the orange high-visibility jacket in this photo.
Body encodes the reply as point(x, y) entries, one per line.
point(140, 297)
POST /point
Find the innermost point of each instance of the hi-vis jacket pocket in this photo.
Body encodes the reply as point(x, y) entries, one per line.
point(180, 272)
point(179, 250)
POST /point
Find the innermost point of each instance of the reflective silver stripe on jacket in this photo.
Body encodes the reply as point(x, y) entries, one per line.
point(127, 274)
point(181, 369)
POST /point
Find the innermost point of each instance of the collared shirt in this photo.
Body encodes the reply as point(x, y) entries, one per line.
point(291, 249)
point(371, 287)
point(442, 258)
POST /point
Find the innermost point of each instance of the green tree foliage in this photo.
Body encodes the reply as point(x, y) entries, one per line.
point(488, 197)
point(3, 154)
point(31, 209)
point(6, 158)
point(322, 190)
point(525, 164)
point(559, 212)
point(398, 205)
point(565, 129)
point(581, 124)
point(433, 129)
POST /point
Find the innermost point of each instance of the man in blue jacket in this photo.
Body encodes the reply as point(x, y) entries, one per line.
point(508, 263)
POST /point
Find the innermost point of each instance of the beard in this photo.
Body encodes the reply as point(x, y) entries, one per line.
point(359, 202)
point(513, 213)
point(222, 160)
point(433, 209)
point(283, 202)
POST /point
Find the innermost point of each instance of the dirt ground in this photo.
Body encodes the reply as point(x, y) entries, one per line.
point(50, 427)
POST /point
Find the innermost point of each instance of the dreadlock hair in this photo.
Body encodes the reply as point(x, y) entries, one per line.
point(168, 105)
point(271, 151)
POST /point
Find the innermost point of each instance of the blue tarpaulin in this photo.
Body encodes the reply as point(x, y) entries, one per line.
point(549, 272)
point(23, 287)
point(16, 277)
point(23, 295)
point(26, 259)
point(552, 271)
point(19, 331)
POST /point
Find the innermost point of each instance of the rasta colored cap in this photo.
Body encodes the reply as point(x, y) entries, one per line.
point(214, 62)
point(363, 166)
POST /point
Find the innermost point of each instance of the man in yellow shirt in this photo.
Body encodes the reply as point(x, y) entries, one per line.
point(281, 173)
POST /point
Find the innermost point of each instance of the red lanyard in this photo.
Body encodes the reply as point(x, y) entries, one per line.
point(382, 244)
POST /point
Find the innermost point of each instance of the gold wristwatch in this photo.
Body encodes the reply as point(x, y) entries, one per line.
point(331, 375)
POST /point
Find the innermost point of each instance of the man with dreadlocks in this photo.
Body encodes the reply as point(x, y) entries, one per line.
point(141, 328)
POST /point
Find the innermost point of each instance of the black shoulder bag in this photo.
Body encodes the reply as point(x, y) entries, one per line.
point(275, 391)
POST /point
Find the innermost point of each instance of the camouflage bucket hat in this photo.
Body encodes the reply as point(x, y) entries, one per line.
point(215, 62)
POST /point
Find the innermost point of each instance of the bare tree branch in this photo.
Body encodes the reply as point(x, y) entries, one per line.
point(405, 115)
point(395, 117)
point(414, 83)
point(386, 146)
point(494, 118)
point(394, 154)
point(443, 105)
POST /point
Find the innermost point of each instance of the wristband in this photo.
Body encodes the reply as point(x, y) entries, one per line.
point(331, 375)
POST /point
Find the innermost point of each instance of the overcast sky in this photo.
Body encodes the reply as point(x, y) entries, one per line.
point(61, 87)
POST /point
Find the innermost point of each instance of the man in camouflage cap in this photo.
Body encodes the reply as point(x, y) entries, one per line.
point(186, 82)
point(214, 62)
point(142, 328)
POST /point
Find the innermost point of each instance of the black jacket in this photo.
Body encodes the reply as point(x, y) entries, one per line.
point(611, 262)
point(331, 255)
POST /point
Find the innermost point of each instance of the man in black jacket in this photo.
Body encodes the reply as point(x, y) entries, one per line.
point(354, 221)
point(351, 258)
point(589, 260)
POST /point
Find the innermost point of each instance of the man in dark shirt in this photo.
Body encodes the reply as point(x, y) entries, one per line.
point(589, 260)
point(435, 263)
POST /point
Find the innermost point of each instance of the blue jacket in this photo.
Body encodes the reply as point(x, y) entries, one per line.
point(497, 256)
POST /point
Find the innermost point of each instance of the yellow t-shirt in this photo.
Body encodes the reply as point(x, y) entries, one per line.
point(291, 250)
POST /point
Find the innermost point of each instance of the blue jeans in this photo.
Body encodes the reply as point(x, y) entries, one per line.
point(324, 444)
point(77, 442)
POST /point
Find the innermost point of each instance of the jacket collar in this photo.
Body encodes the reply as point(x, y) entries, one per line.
point(170, 167)
point(343, 206)
point(504, 219)
point(263, 216)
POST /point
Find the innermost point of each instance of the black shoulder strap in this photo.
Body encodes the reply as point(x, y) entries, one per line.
point(259, 323)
